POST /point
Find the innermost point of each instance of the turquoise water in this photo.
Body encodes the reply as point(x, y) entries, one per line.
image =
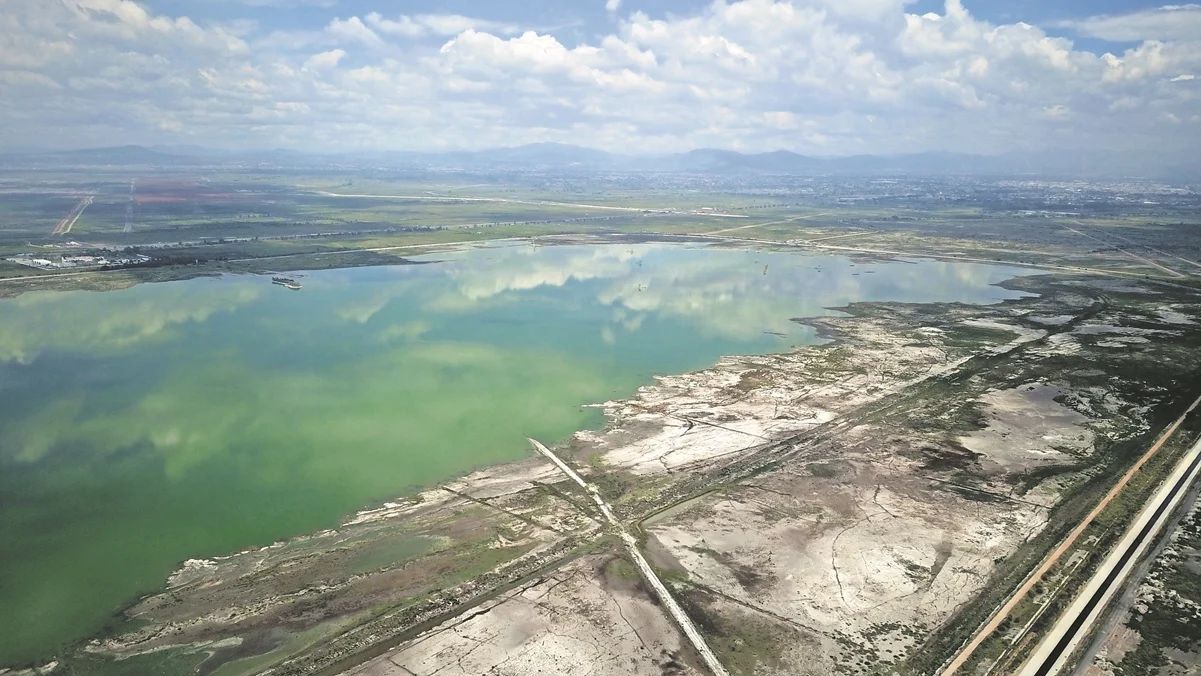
point(145, 426)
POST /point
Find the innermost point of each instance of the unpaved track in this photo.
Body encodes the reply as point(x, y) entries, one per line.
point(133, 182)
point(540, 203)
point(1068, 542)
point(1150, 248)
point(1119, 249)
point(760, 225)
point(648, 573)
point(857, 233)
point(799, 244)
point(64, 226)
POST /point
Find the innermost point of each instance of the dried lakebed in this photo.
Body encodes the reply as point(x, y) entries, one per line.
point(834, 508)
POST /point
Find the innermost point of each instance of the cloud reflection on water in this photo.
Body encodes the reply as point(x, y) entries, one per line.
point(735, 294)
point(192, 418)
point(83, 321)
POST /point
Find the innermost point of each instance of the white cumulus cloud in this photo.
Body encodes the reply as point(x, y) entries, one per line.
point(325, 60)
point(816, 76)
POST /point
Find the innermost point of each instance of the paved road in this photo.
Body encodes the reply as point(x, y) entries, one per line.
point(648, 573)
point(1051, 559)
point(1054, 651)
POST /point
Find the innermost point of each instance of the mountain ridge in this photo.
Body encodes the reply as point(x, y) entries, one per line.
point(551, 155)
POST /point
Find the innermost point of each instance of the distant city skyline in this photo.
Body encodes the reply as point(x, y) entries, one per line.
point(817, 77)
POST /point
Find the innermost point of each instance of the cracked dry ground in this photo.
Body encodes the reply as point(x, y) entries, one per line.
point(836, 509)
point(590, 617)
point(853, 548)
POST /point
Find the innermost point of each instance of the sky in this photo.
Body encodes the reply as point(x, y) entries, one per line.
point(818, 77)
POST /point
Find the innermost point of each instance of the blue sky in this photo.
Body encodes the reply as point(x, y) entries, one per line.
point(575, 21)
point(823, 77)
point(592, 15)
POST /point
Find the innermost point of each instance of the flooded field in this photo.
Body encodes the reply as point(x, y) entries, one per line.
point(143, 427)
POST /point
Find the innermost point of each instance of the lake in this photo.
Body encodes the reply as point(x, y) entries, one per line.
point(145, 426)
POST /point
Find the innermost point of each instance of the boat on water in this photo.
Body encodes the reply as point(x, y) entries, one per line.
point(286, 282)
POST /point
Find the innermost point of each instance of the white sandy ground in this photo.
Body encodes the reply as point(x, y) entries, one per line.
point(1050, 320)
point(485, 483)
point(1118, 343)
point(842, 559)
point(578, 621)
point(848, 558)
point(1026, 424)
point(649, 576)
point(688, 419)
point(1098, 329)
point(47, 668)
point(685, 419)
point(1172, 315)
point(741, 403)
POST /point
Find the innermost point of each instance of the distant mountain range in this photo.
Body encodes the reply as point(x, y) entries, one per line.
point(558, 156)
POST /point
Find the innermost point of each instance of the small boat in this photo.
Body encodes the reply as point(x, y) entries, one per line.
point(286, 282)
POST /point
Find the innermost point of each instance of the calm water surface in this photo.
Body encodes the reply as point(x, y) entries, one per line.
point(145, 426)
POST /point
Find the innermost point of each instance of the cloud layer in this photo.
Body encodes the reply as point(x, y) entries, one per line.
point(815, 76)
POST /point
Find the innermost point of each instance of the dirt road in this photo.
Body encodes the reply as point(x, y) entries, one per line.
point(506, 200)
point(67, 222)
point(760, 225)
point(648, 573)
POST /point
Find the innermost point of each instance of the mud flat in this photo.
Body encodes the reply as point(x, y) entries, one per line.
point(853, 507)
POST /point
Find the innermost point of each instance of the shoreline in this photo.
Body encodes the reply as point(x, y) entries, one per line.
point(507, 478)
point(483, 480)
point(636, 454)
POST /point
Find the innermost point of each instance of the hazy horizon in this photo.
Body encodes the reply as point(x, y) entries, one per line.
point(814, 77)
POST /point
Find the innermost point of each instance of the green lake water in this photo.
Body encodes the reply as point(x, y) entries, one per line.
point(145, 426)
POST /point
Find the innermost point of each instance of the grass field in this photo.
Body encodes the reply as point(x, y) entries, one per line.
point(192, 219)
